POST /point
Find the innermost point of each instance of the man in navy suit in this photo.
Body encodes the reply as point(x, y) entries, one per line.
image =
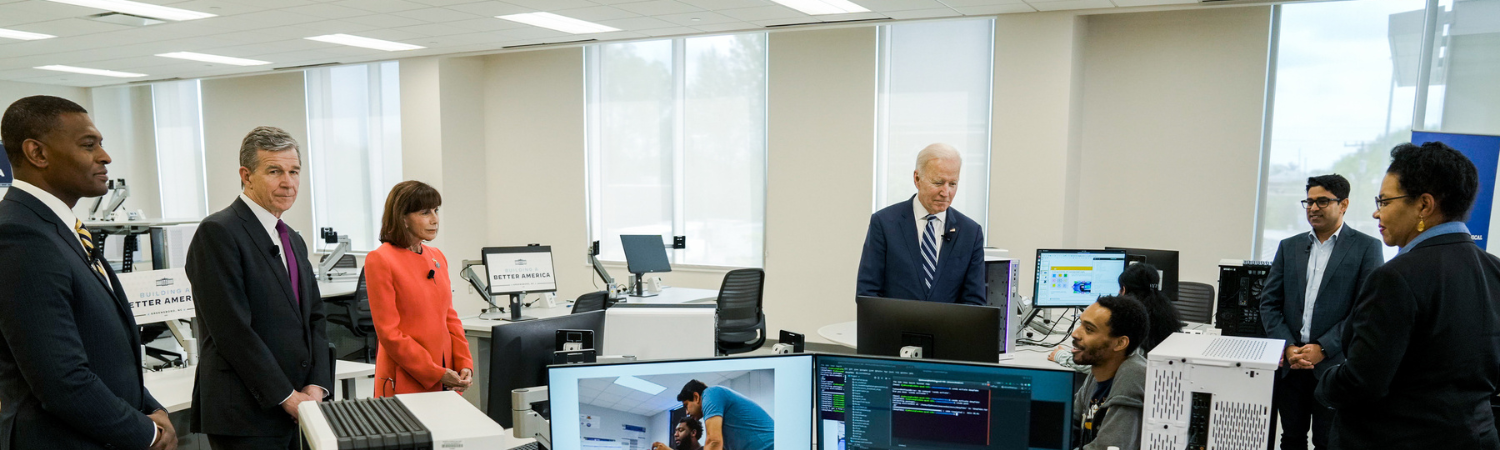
point(921, 249)
point(70, 352)
point(1306, 301)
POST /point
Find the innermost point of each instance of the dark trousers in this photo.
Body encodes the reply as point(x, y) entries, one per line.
point(222, 442)
point(1300, 412)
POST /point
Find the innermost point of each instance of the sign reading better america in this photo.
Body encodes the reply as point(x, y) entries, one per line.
point(158, 295)
point(513, 270)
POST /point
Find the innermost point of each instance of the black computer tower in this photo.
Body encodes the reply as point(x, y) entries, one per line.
point(1240, 288)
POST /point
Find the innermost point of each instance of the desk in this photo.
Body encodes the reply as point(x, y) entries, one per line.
point(337, 288)
point(675, 295)
point(173, 388)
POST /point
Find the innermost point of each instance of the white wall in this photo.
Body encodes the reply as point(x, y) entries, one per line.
point(234, 106)
point(10, 91)
point(124, 117)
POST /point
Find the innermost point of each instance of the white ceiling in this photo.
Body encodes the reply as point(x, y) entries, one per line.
point(604, 393)
point(273, 30)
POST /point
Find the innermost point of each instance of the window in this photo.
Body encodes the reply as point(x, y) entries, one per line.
point(1342, 100)
point(354, 147)
point(677, 146)
point(1463, 90)
point(179, 149)
point(934, 86)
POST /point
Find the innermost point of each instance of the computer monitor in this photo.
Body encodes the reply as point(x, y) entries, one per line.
point(520, 353)
point(870, 402)
point(942, 330)
point(645, 253)
point(631, 405)
point(520, 270)
point(1075, 278)
point(650, 331)
point(1165, 262)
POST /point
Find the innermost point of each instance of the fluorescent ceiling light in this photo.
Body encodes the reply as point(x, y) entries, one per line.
point(22, 35)
point(139, 9)
point(216, 59)
point(356, 41)
point(88, 71)
point(560, 23)
point(640, 385)
point(820, 7)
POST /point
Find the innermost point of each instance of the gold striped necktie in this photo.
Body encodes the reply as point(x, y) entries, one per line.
point(88, 247)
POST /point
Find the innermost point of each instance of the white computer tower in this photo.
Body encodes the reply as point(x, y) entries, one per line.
point(1000, 278)
point(1209, 392)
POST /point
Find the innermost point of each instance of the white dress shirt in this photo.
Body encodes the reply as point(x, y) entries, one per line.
point(1317, 265)
point(267, 220)
point(938, 228)
point(66, 215)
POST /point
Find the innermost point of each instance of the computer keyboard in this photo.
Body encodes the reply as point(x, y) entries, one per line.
point(530, 446)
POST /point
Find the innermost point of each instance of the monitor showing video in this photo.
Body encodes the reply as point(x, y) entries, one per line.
point(757, 402)
point(888, 403)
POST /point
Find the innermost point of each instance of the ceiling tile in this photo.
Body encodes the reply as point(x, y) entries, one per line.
point(638, 23)
point(385, 21)
point(714, 5)
point(696, 19)
point(492, 8)
point(924, 13)
point(442, 2)
point(50, 10)
point(787, 21)
point(328, 11)
point(763, 13)
point(73, 27)
point(999, 9)
point(435, 29)
point(552, 5)
point(956, 4)
point(729, 26)
point(486, 24)
point(1061, 5)
point(852, 16)
point(253, 51)
point(221, 8)
point(674, 31)
point(1129, 3)
point(658, 7)
point(381, 6)
point(596, 13)
point(437, 15)
point(273, 4)
point(900, 5)
point(533, 33)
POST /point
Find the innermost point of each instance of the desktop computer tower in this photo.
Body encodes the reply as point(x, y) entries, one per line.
point(1209, 392)
point(1000, 279)
point(1240, 287)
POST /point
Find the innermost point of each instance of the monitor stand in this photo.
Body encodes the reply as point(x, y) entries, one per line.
point(640, 289)
point(515, 310)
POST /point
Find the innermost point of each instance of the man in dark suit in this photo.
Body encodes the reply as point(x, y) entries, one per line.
point(70, 364)
point(1306, 300)
point(1422, 347)
point(264, 348)
point(922, 249)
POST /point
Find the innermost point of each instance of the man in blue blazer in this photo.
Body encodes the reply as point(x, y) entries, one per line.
point(1307, 298)
point(922, 249)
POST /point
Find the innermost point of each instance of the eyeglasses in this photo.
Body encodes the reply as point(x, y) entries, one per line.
point(1381, 202)
point(1322, 202)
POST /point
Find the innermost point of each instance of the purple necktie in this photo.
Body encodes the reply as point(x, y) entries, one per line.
point(291, 261)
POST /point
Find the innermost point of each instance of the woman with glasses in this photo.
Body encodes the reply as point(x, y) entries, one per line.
point(1422, 346)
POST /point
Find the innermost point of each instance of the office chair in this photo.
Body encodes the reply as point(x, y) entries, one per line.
point(742, 320)
point(593, 301)
point(1195, 302)
point(356, 318)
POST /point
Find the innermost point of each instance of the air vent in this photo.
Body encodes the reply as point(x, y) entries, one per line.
point(831, 22)
point(1166, 393)
point(1236, 349)
point(550, 43)
point(124, 19)
point(307, 66)
point(1240, 426)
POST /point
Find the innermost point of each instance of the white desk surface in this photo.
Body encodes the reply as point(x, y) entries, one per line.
point(338, 287)
point(675, 295)
point(474, 326)
point(173, 388)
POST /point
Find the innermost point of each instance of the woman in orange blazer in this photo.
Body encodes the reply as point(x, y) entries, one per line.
point(422, 344)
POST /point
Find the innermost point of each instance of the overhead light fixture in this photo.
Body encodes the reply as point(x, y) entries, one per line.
point(822, 7)
point(356, 41)
point(560, 23)
point(640, 385)
point(22, 35)
point(139, 9)
point(216, 59)
point(88, 71)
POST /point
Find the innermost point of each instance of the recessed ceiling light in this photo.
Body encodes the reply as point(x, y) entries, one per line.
point(22, 35)
point(213, 59)
point(820, 7)
point(139, 9)
point(356, 41)
point(560, 23)
point(88, 71)
point(640, 385)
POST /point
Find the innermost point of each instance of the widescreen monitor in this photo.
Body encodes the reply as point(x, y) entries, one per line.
point(889, 403)
point(521, 351)
point(632, 405)
point(943, 330)
point(1165, 262)
point(1075, 278)
point(645, 253)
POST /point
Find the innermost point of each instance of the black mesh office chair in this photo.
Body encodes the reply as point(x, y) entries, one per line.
point(1195, 302)
point(593, 301)
point(356, 318)
point(742, 321)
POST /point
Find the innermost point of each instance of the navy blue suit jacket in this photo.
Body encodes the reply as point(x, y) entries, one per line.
point(70, 364)
point(1354, 257)
point(891, 264)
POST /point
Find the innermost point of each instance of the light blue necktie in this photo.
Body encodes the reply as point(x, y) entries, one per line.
point(929, 253)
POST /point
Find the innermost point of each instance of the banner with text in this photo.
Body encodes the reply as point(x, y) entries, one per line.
point(1484, 152)
point(514, 270)
point(158, 295)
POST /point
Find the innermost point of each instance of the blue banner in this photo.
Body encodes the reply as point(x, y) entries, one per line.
point(5, 176)
point(1484, 151)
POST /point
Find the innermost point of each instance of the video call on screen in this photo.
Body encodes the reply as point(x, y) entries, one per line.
point(884, 405)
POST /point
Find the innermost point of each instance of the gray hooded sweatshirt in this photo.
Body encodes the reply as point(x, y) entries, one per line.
point(1122, 421)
